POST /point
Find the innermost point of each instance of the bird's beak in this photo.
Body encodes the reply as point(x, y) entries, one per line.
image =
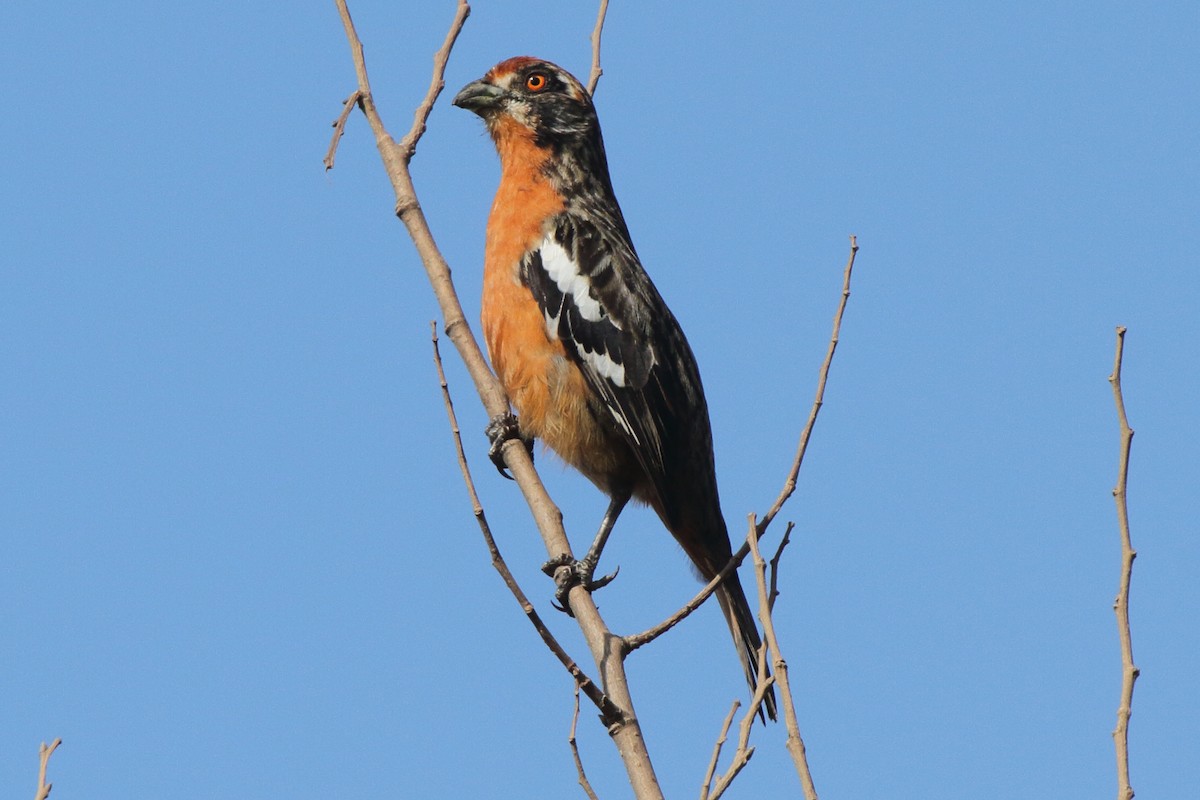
point(479, 96)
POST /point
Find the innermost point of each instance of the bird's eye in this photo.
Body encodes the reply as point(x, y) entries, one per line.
point(536, 82)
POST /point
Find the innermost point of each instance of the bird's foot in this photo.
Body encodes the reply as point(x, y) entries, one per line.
point(502, 428)
point(569, 573)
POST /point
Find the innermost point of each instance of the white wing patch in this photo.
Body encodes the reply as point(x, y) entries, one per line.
point(570, 281)
point(604, 366)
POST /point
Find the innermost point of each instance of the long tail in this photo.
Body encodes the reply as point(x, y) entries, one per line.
point(744, 629)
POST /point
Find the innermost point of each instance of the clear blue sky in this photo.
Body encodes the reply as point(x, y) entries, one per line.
point(236, 557)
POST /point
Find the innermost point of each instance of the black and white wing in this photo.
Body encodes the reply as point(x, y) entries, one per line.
point(598, 301)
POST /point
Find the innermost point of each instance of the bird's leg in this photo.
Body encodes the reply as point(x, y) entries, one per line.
point(502, 428)
point(587, 567)
point(582, 571)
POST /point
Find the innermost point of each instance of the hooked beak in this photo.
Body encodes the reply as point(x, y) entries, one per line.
point(479, 96)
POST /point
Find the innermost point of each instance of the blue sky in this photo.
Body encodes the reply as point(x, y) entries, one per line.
point(236, 557)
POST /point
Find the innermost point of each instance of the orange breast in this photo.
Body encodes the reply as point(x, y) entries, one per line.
point(547, 390)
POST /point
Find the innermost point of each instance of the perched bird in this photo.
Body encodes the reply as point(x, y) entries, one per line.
point(593, 361)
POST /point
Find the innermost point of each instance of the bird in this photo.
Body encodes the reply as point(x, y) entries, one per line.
point(593, 361)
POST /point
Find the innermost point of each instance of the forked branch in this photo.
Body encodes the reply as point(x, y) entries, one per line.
point(795, 743)
point(789, 485)
point(637, 640)
point(608, 711)
point(44, 752)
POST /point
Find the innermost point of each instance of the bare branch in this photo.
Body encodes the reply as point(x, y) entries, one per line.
point(583, 781)
point(594, 77)
point(767, 597)
point(795, 744)
point(716, 756)
point(637, 640)
point(408, 145)
point(609, 712)
point(634, 641)
point(1129, 672)
point(45, 751)
point(741, 756)
point(787, 538)
point(789, 485)
point(339, 127)
point(437, 82)
point(395, 162)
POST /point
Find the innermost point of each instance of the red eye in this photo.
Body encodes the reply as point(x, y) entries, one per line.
point(536, 82)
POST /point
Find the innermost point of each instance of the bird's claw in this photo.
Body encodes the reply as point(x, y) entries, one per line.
point(576, 573)
point(502, 428)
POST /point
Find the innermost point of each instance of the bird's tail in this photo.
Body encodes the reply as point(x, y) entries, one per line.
point(744, 629)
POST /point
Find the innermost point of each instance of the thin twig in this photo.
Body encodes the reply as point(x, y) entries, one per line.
point(339, 127)
point(795, 743)
point(46, 750)
point(608, 710)
point(583, 781)
point(741, 755)
point(1129, 672)
point(716, 756)
point(634, 641)
point(594, 77)
point(789, 485)
point(437, 82)
point(787, 537)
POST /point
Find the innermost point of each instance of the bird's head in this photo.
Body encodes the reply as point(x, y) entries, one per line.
point(527, 96)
